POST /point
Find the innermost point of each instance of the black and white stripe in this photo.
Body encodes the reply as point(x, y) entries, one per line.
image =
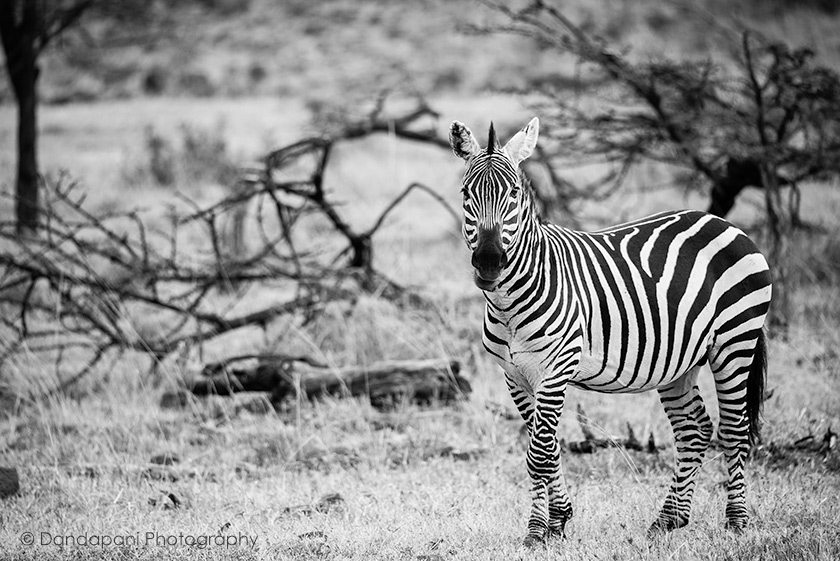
point(632, 308)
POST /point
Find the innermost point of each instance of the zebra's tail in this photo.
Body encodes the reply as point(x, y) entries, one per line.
point(755, 387)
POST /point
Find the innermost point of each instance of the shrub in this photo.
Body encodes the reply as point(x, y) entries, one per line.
point(257, 73)
point(155, 80)
point(161, 158)
point(200, 155)
point(814, 258)
point(204, 155)
point(196, 83)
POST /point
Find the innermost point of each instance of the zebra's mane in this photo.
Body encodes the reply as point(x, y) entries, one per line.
point(491, 140)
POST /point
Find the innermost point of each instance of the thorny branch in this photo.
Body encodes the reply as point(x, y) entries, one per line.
point(771, 120)
point(92, 286)
point(775, 114)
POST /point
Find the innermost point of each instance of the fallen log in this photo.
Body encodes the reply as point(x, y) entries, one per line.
point(591, 443)
point(385, 383)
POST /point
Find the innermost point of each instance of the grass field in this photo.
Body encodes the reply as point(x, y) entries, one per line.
point(233, 480)
point(438, 483)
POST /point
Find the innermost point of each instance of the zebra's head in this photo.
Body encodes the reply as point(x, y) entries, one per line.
point(493, 196)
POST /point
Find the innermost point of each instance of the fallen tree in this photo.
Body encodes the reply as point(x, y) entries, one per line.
point(385, 383)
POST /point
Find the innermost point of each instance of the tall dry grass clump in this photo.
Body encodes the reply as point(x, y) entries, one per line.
point(195, 156)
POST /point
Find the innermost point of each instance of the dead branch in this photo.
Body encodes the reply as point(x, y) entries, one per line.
point(770, 120)
point(591, 443)
point(812, 450)
point(96, 285)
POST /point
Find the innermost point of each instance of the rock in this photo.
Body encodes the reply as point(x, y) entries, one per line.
point(165, 459)
point(175, 399)
point(9, 482)
point(246, 469)
point(167, 473)
point(327, 503)
point(314, 544)
point(468, 455)
point(167, 500)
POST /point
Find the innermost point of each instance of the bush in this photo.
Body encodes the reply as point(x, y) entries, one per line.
point(155, 80)
point(200, 155)
point(76, 88)
point(814, 258)
point(226, 7)
point(257, 73)
point(204, 155)
point(161, 158)
point(196, 83)
point(776, 7)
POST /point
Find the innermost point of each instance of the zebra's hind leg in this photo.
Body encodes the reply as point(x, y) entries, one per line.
point(738, 366)
point(692, 432)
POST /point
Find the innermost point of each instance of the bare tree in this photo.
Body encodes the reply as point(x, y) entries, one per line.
point(26, 28)
point(770, 118)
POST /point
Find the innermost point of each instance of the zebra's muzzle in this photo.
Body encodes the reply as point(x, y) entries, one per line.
point(488, 258)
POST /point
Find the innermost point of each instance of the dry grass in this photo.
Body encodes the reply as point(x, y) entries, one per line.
point(439, 483)
point(414, 482)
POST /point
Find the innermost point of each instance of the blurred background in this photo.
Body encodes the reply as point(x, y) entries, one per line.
point(227, 197)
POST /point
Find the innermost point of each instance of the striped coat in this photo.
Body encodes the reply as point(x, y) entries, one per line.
point(636, 307)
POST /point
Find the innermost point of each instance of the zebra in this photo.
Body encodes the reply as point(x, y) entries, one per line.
point(636, 307)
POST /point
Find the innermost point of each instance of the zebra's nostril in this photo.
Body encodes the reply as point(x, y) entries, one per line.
point(488, 260)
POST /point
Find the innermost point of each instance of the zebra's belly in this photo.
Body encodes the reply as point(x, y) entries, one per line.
point(594, 377)
point(637, 371)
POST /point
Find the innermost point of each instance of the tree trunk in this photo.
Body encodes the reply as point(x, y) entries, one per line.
point(779, 227)
point(27, 185)
point(19, 35)
point(738, 174)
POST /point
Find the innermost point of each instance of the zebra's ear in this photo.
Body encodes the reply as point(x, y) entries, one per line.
point(522, 144)
point(462, 141)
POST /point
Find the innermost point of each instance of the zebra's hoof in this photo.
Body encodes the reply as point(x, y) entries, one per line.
point(736, 526)
point(556, 534)
point(532, 542)
point(665, 524)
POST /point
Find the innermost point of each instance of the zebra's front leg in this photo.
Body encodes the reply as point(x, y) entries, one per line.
point(550, 504)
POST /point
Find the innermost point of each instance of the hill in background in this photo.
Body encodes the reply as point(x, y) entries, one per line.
point(354, 49)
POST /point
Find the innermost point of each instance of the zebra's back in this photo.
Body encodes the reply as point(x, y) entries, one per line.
point(656, 294)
